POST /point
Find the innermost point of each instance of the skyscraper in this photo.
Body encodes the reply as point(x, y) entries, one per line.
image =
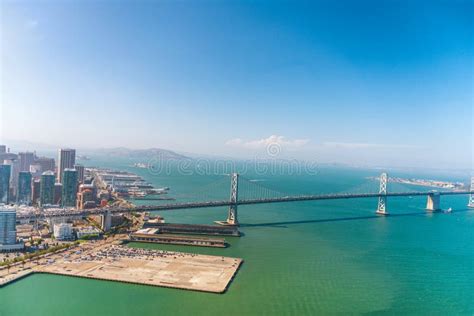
point(36, 170)
point(26, 160)
point(23, 195)
point(47, 164)
point(8, 230)
point(80, 173)
point(7, 226)
point(14, 164)
point(5, 171)
point(3, 149)
point(67, 159)
point(35, 191)
point(58, 191)
point(69, 187)
point(47, 188)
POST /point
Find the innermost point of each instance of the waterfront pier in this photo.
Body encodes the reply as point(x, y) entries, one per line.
point(178, 240)
point(150, 267)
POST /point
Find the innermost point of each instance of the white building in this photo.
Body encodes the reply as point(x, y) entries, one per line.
point(88, 231)
point(62, 231)
point(8, 240)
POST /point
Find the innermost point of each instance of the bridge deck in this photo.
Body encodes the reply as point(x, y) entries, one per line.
point(188, 205)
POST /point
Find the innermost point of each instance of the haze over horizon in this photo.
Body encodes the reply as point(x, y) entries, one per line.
point(390, 84)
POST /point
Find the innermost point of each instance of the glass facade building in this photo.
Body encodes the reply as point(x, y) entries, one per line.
point(69, 183)
point(47, 188)
point(5, 171)
point(7, 227)
point(67, 160)
point(23, 195)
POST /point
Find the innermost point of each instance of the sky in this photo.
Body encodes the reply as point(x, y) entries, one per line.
point(360, 82)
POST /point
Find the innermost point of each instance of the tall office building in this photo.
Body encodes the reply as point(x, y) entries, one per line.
point(8, 230)
point(7, 156)
point(67, 160)
point(36, 170)
point(35, 191)
point(47, 164)
point(23, 195)
point(58, 192)
point(7, 226)
point(3, 149)
point(69, 183)
point(5, 171)
point(26, 160)
point(14, 164)
point(47, 188)
point(80, 173)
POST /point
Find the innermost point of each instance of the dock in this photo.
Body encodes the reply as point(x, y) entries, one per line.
point(192, 229)
point(179, 240)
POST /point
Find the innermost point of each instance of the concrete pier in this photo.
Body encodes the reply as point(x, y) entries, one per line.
point(150, 267)
point(10, 278)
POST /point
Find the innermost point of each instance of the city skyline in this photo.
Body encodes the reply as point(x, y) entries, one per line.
point(316, 79)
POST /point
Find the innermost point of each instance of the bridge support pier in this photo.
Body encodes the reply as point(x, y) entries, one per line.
point(382, 205)
point(433, 202)
point(232, 219)
point(471, 196)
point(106, 221)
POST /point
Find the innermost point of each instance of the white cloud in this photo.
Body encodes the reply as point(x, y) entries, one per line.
point(265, 142)
point(364, 145)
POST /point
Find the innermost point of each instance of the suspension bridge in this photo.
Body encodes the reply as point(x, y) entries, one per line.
point(260, 194)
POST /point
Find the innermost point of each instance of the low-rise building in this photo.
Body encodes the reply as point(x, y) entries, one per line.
point(63, 231)
point(88, 231)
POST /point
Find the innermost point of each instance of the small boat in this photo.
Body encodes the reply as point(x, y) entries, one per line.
point(449, 210)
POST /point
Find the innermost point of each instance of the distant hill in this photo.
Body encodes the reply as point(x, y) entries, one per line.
point(140, 153)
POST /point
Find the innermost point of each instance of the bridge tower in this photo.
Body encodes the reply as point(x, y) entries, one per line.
point(232, 214)
point(471, 196)
point(433, 202)
point(234, 190)
point(382, 206)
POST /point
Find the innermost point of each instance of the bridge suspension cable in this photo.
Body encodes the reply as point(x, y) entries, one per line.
point(215, 190)
point(251, 189)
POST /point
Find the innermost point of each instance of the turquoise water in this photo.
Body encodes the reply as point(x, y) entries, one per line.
point(307, 258)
